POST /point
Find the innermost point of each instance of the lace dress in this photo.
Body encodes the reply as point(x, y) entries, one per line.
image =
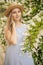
point(14, 55)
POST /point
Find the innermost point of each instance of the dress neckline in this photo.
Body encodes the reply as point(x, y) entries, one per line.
point(19, 26)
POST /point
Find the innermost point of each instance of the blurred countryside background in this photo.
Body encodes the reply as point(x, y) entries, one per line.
point(33, 16)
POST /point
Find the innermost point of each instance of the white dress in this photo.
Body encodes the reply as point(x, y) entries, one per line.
point(14, 54)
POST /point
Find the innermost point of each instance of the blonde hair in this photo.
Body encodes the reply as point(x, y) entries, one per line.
point(9, 29)
point(9, 23)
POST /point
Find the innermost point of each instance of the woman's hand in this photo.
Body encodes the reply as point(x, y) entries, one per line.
point(13, 35)
point(13, 24)
point(13, 27)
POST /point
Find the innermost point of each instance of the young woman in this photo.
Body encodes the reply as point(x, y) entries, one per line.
point(14, 34)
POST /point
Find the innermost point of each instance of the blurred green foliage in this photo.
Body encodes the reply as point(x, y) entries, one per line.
point(32, 8)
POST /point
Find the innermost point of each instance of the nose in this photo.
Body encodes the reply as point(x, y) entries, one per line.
point(17, 14)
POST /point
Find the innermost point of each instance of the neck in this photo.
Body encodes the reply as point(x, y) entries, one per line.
point(17, 23)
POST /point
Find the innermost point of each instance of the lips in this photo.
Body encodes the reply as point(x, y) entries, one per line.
point(17, 16)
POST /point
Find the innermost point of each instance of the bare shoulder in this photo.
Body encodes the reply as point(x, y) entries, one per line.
point(25, 26)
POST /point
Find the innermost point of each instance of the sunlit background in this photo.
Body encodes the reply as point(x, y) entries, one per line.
point(33, 16)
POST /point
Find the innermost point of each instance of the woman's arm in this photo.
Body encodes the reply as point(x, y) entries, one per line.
point(14, 35)
point(11, 38)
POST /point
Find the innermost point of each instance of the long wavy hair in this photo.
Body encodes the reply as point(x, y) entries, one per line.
point(9, 23)
point(9, 27)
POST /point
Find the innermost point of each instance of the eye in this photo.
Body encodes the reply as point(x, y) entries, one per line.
point(19, 11)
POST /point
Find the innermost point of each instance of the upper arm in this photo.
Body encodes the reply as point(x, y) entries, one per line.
point(7, 33)
point(11, 38)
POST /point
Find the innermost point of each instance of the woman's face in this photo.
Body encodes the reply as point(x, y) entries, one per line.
point(16, 14)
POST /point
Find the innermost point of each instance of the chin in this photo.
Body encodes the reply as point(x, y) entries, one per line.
point(17, 19)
